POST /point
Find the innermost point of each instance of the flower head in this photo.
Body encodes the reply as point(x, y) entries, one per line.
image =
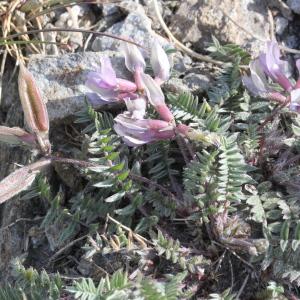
point(138, 132)
point(268, 69)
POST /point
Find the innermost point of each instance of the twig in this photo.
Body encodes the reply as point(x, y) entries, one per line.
point(231, 273)
point(136, 235)
point(180, 144)
point(179, 44)
point(152, 183)
point(235, 254)
point(272, 27)
point(60, 251)
point(8, 37)
point(20, 220)
point(242, 287)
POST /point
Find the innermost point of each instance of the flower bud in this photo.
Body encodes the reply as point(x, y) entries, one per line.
point(35, 111)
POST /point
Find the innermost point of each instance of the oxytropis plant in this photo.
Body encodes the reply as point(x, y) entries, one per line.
point(132, 125)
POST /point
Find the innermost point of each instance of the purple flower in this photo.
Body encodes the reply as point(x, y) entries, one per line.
point(138, 132)
point(160, 62)
point(106, 84)
point(156, 97)
point(269, 67)
point(274, 67)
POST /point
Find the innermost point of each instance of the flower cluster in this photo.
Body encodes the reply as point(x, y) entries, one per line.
point(267, 71)
point(132, 125)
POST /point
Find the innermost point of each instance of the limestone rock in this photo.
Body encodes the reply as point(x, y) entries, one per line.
point(294, 5)
point(196, 20)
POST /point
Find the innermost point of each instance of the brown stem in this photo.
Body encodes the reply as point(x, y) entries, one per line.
point(8, 37)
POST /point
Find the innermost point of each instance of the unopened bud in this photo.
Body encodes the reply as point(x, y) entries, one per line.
point(35, 111)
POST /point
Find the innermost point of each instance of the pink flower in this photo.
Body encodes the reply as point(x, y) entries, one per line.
point(160, 62)
point(138, 132)
point(106, 84)
point(156, 97)
point(270, 66)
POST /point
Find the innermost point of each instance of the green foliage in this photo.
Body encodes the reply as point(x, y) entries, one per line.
point(159, 160)
point(32, 285)
point(232, 171)
point(228, 52)
point(119, 287)
point(108, 288)
point(227, 85)
point(186, 107)
point(173, 251)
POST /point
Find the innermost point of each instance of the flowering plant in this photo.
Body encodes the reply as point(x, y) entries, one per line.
point(268, 70)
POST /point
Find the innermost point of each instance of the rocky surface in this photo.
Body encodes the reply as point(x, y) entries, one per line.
point(196, 20)
point(294, 5)
point(136, 26)
point(62, 79)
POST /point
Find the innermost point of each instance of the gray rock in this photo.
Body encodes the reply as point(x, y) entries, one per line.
point(197, 82)
point(109, 9)
point(175, 86)
point(196, 20)
point(294, 5)
point(136, 26)
point(282, 7)
point(291, 41)
point(281, 25)
point(61, 79)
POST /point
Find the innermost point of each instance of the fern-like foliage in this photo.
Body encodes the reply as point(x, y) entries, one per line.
point(232, 171)
point(186, 107)
point(228, 52)
point(114, 287)
point(172, 250)
point(118, 287)
point(227, 84)
point(159, 160)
